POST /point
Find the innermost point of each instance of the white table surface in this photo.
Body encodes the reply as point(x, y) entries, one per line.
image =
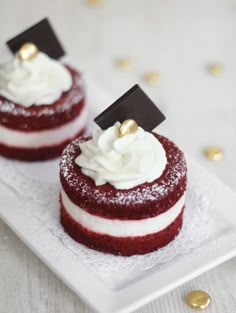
point(176, 38)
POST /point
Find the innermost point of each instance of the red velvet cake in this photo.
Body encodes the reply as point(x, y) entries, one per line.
point(111, 202)
point(42, 108)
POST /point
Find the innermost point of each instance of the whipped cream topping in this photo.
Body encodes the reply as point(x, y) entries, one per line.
point(39, 81)
point(124, 162)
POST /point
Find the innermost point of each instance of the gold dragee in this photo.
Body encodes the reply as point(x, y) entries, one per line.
point(27, 51)
point(94, 2)
point(198, 299)
point(124, 63)
point(214, 153)
point(127, 127)
point(215, 68)
point(152, 78)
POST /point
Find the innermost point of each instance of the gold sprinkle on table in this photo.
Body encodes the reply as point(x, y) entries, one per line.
point(198, 299)
point(214, 153)
point(95, 2)
point(27, 52)
point(124, 63)
point(215, 68)
point(127, 127)
point(152, 78)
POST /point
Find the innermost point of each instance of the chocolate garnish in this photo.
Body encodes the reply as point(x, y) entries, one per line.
point(43, 36)
point(134, 104)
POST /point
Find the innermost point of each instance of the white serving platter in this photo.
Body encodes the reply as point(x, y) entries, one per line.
point(155, 282)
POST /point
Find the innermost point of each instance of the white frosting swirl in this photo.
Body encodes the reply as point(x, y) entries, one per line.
point(38, 81)
point(124, 162)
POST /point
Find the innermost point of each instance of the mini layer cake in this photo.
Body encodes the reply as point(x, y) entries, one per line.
point(123, 214)
point(42, 107)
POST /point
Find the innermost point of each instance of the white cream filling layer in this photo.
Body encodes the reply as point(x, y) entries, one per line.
point(122, 228)
point(43, 138)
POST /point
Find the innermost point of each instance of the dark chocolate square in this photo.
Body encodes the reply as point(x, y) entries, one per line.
point(43, 36)
point(134, 104)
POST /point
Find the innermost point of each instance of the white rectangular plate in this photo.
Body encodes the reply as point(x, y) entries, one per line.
point(157, 281)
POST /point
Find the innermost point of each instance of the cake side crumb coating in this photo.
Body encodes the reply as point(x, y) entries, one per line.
point(125, 246)
point(143, 201)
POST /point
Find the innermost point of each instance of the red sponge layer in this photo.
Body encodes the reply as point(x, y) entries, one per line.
point(37, 154)
point(125, 246)
point(143, 201)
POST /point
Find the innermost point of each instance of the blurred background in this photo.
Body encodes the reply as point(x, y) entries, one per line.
point(182, 53)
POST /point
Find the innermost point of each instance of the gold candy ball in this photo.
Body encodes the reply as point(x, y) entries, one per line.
point(152, 78)
point(214, 153)
point(94, 2)
point(28, 52)
point(127, 127)
point(215, 68)
point(124, 63)
point(198, 299)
